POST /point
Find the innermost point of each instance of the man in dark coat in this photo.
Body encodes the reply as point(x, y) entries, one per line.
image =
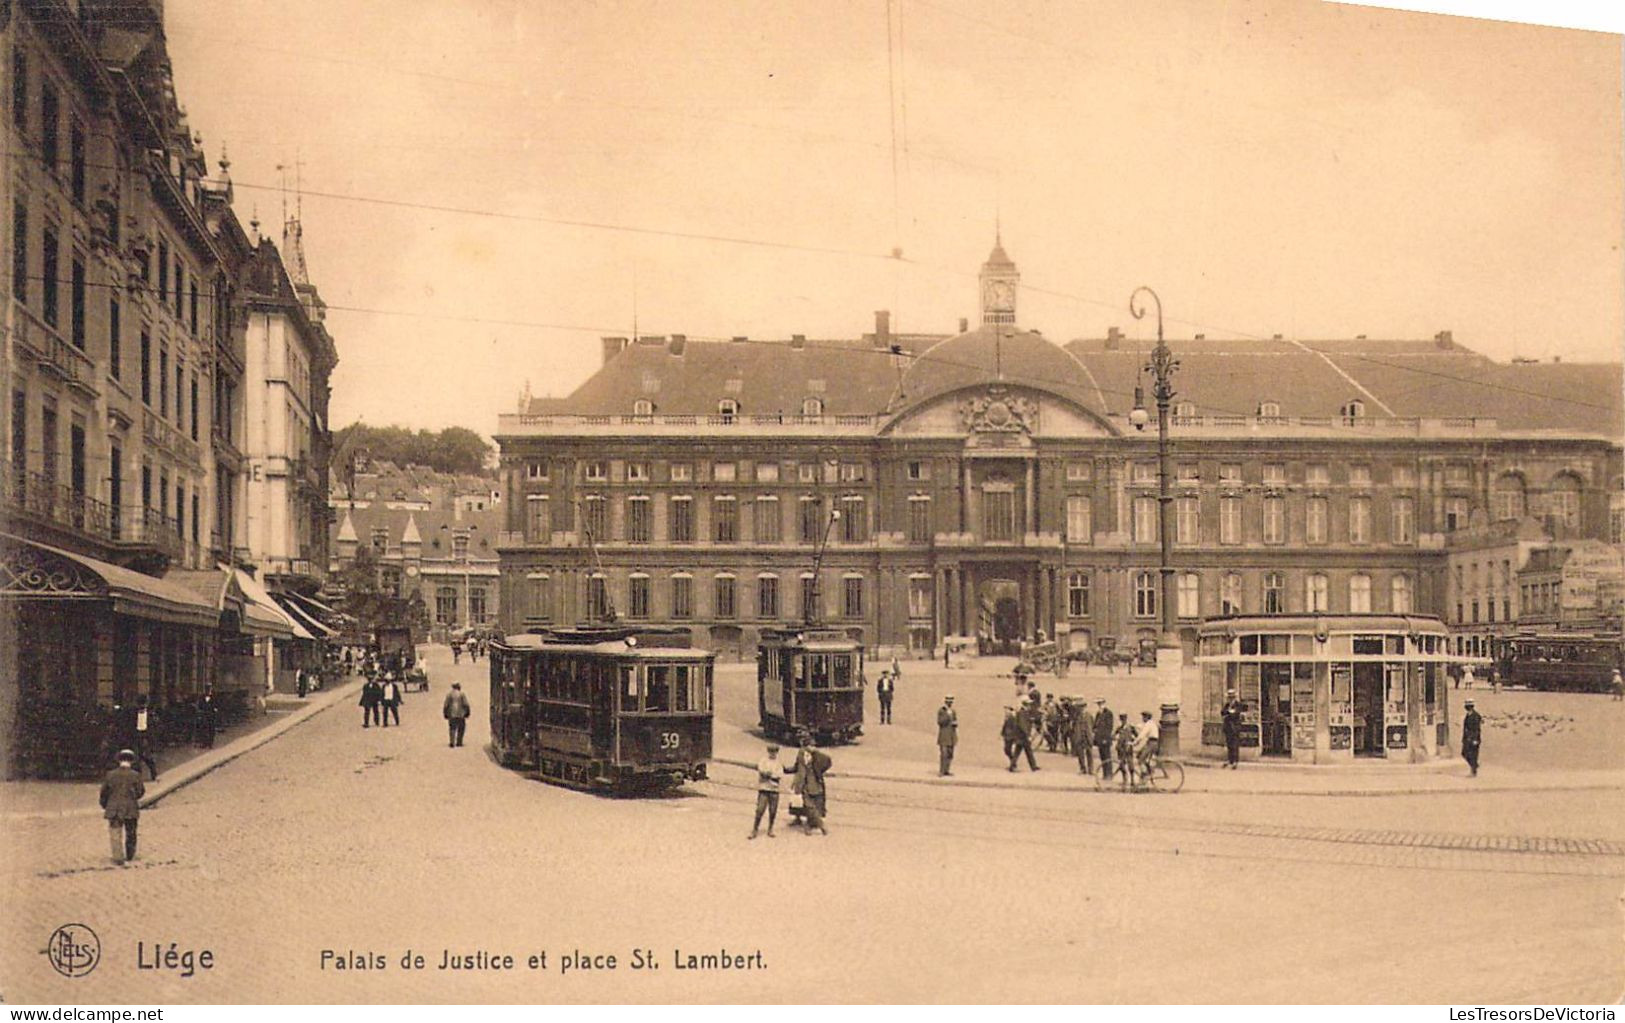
point(1105, 726)
point(371, 695)
point(884, 690)
point(1231, 716)
point(121, 805)
point(809, 769)
point(1015, 740)
point(947, 734)
point(1083, 737)
point(208, 718)
point(456, 711)
point(1472, 735)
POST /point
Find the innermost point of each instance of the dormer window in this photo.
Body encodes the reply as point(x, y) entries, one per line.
point(1353, 410)
point(812, 408)
point(643, 407)
point(1185, 410)
point(1269, 410)
point(728, 410)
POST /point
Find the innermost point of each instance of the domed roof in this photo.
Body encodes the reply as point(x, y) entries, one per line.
point(1018, 358)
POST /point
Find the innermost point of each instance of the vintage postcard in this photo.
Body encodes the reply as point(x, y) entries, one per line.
point(882, 501)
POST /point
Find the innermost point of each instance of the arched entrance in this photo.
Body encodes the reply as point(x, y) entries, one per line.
point(1000, 619)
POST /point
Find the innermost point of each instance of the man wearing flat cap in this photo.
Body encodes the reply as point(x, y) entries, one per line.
point(1472, 734)
point(768, 773)
point(121, 805)
point(947, 735)
point(1231, 715)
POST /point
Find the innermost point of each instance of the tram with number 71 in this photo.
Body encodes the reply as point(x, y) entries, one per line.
point(611, 707)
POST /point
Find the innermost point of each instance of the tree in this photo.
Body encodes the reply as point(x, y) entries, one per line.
point(452, 450)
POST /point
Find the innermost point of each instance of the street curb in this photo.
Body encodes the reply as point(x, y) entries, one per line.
point(1046, 787)
point(197, 767)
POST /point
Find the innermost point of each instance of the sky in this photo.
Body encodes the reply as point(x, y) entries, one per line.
point(489, 186)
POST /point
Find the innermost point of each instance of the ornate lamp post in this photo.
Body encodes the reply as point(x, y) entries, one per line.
point(1170, 656)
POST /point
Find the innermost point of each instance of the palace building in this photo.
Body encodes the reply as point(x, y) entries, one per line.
point(989, 484)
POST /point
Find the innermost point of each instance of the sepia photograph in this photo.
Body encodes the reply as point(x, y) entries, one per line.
point(864, 502)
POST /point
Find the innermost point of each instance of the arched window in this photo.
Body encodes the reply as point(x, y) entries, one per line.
point(1359, 593)
point(643, 407)
point(812, 408)
point(1315, 592)
point(1274, 593)
point(1507, 498)
point(1563, 500)
point(1399, 594)
point(728, 410)
point(637, 595)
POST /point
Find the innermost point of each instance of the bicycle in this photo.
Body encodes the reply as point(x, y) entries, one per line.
point(1159, 775)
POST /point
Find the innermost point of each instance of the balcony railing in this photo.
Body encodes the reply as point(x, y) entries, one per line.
point(687, 424)
point(53, 353)
point(43, 498)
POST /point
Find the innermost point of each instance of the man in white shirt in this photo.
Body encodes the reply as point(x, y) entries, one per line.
point(768, 773)
point(1146, 741)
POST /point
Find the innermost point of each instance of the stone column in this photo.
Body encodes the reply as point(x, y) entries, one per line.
point(1030, 524)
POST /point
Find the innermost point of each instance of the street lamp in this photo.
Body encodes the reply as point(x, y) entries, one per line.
point(1170, 656)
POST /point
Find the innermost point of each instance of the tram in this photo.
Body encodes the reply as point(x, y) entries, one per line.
point(1566, 662)
point(603, 707)
point(810, 679)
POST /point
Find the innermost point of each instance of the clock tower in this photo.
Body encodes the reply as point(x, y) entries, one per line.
point(999, 280)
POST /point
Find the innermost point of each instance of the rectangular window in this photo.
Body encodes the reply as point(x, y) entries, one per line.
point(767, 596)
point(194, 405)
point(536, 471)
point(807, 472)
point(1314, 525)
point(1230, 595)
point(596, 517)
point(682, 519)
point(767, 472)
point(1188, 472)
point(1455, 514)
point(682, 596)
point(76, 162)
point(725, 596)
point(1359, 520)
point(1230, 520)
point(146, 368)
point(1079, 472)
point(50, 126)
point(919, 471)
point(769, 525)
point(638, 520)
point(1359, 594)
point(637, 472)
point(1143, 472)
point(597, 598)
point(921, 596)
point(1080, 527)
point(538, 518)
point(163, 382)
point(1274, 594)
point(1077, 595)
point(19, 252)
point(812, 520)
point(724, 519)
point(809, 598)
point(1230, 474)
point(1360, 477)
point(853, 472)
point(179, 377)
point(852, 596)
point(163, 271)
point(146, 487)
point(1145, 520)
point(77, 302)
point(1274, 474)
point(1187, 522)
point(1274, 520)
point(115, 342)
point(637, 596)
point(1145, 595)
point(999, 516)
point(1457, 476)
point(725, 472)
point(19, 88)
point(48, 275)
point(682, 472)
point(1315, 593)
point(854, 520)
point(192, 312)
point(1317, 474)
point(1190, 595)
point(919, 519)
point(180, 282)
point(1403, 512)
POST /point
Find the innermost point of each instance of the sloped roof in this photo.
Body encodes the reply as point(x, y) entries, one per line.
point(993, 353)
point(427, 525)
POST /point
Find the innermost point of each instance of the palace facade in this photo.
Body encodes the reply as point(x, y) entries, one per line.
point(989, 484)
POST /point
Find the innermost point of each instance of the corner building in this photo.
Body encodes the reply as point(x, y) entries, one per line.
point(990, 485)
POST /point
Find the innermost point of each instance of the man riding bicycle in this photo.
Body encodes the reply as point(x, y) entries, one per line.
point(1146, 741)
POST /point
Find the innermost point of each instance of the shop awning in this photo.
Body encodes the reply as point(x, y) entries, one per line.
point(303, 617)
point(30, 570)
point(262, 616)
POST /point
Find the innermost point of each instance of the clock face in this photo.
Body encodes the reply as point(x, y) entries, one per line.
point(1000, 294)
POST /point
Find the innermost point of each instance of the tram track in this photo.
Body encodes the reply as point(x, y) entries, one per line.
point(1596, 851)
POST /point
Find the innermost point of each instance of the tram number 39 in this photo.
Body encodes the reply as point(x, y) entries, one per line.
point(670, 740)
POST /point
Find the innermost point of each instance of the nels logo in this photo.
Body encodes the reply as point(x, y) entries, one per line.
point(74, 950)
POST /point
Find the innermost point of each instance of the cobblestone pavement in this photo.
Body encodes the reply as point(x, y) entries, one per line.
point(384, 840)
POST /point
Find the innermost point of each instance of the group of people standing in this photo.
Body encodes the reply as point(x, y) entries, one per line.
point(807, 786)
point(381, 700)
point(1099, 739)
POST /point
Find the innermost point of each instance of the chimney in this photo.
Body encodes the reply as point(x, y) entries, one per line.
point(675, 345)
point(964, 325)
point(1277, 337)
point(882, 328)
point(613, 346)
point(798, 341)
point(1359, 337)
point(1444, 339)
point(740, 338)
point(1200, 337)
point(1114, 338)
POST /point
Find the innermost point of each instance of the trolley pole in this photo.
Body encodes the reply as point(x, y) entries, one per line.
point(811, 614)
